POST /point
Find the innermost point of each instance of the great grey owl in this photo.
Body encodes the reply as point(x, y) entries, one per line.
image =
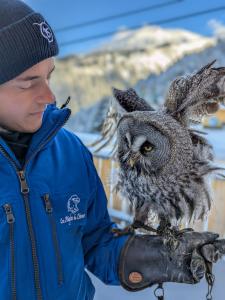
point(163, 163)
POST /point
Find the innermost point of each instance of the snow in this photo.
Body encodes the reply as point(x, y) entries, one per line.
point(153, 37)
point(120, 215)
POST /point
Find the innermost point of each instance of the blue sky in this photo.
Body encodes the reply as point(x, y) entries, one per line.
point(69, 12)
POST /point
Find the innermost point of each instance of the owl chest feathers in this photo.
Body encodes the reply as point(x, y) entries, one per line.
point(176, 196)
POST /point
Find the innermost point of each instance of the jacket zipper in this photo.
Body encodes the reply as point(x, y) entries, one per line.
point(25, 192)
point(49, 211)
point(10, 220)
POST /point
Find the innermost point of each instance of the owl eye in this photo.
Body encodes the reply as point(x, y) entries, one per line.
point(146, 147)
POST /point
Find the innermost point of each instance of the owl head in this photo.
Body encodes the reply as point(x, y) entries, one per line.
point(149, 141)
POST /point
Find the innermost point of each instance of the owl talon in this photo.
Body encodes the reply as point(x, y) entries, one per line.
point(120, 232)
point(171, 234)
point(138, 224)
point(131, 228)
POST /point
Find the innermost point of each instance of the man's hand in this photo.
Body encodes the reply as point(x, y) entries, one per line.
point(146, 259)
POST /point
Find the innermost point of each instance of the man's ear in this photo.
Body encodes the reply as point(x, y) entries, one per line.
point(130, 101)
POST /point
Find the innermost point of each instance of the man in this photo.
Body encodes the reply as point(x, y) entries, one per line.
point(53, 212)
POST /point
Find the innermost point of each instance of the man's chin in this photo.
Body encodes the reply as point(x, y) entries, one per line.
point(28, 127)
point(32, 130)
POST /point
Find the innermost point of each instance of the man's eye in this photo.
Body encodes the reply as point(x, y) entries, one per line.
point(25, 86)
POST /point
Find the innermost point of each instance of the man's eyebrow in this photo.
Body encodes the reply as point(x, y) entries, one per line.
point(28, 78)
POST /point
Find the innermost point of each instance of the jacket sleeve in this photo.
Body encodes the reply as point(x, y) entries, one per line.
point(101, 248)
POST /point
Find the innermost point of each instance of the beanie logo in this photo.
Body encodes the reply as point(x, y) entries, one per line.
point(46, 31)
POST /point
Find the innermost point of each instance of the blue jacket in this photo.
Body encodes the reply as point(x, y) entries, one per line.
point(53, 219)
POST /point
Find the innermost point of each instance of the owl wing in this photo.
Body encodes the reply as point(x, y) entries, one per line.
point(193, 96)
point(122, 102)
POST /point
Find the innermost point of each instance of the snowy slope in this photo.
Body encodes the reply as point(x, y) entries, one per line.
point(129, 57)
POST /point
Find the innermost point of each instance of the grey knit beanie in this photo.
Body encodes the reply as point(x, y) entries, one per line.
point(25, 39)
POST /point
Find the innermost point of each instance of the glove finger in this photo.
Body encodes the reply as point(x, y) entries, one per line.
point(210, 253)
point(186, 279)
point(197, 266)
point(220, 245)
point(215, 251)
point(182, 276)
point(200, 238)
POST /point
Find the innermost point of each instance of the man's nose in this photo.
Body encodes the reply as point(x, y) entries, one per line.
point(46, 96)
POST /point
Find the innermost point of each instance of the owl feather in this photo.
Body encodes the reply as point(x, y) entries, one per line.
point(164, 165)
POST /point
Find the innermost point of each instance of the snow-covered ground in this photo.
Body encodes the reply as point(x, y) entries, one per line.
point(172, 291)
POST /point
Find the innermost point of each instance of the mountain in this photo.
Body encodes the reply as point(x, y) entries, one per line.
point(130, 56)
point(154, 88)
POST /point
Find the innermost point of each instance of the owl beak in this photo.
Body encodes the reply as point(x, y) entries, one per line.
point(132, 161)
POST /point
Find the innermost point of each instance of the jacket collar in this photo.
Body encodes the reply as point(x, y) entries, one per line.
point(53, 120)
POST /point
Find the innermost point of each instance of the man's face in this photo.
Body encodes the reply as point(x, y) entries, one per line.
point(24, 98)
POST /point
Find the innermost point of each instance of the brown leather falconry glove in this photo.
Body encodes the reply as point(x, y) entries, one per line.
point(146, 259)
